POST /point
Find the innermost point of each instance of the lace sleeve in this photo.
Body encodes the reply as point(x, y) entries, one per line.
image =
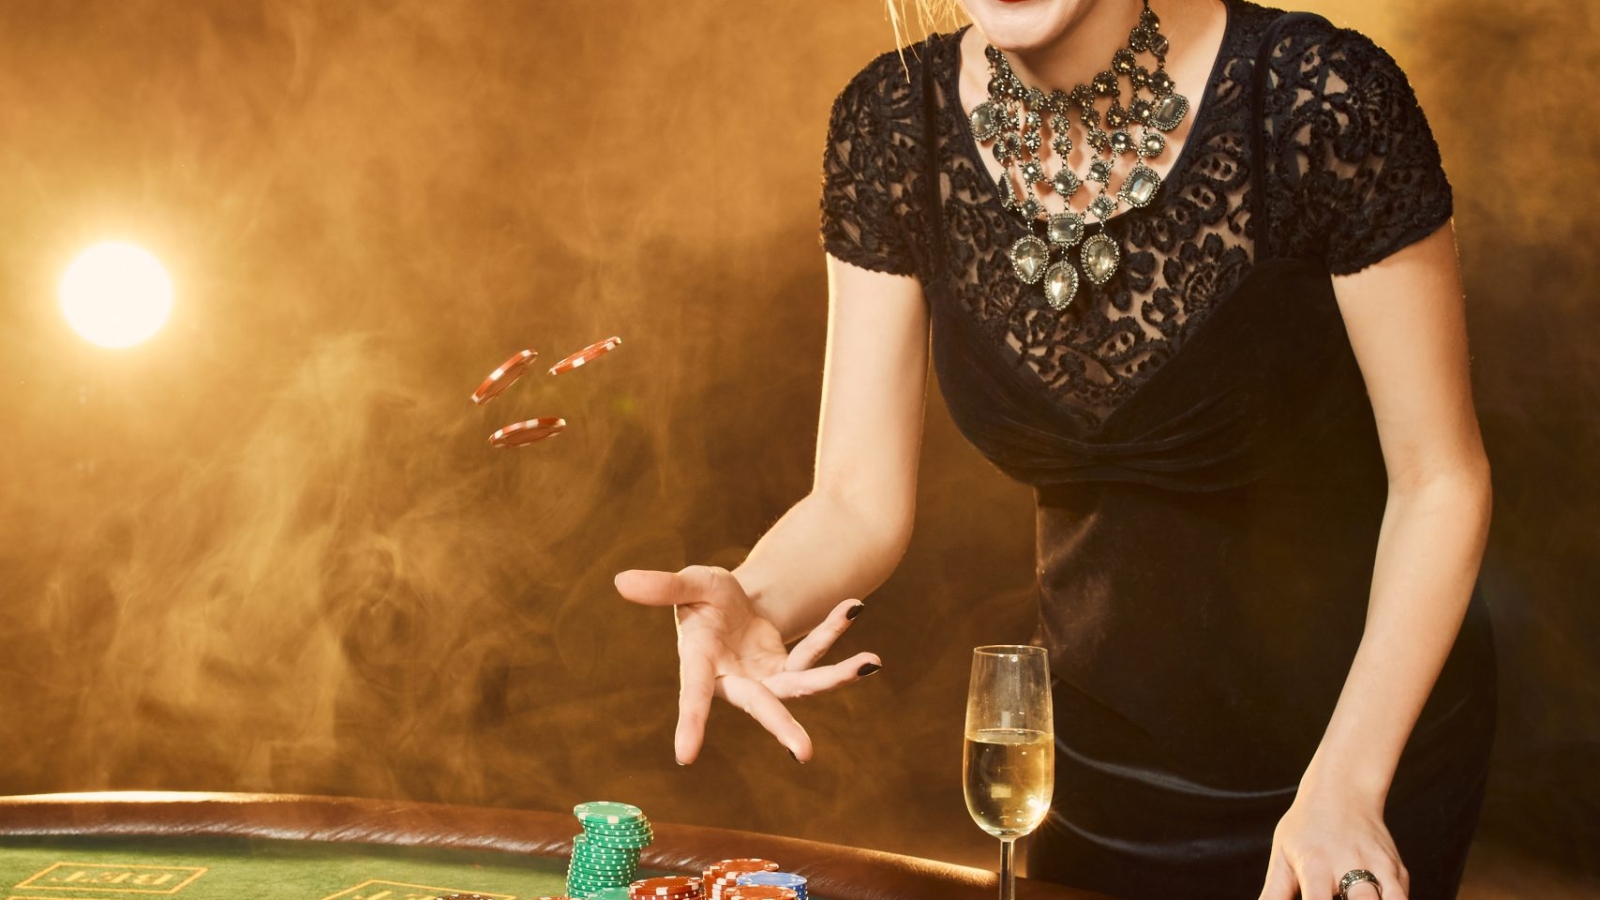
point(1356, 147)
point(867, 172)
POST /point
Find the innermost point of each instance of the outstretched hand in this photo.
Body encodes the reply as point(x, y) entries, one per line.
point(726, 649)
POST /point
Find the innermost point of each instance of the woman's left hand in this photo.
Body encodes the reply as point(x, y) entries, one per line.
point(1326, 833)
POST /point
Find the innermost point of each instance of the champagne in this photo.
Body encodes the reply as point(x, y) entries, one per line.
point(1010, 774)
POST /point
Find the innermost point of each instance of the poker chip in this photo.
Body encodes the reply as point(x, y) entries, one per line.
point(668, 887)
point(760, 892)
point(502, 377)
point(789, 880)
point(586, 355)
point(520, 434)
point(720, 878)
point(605, 858)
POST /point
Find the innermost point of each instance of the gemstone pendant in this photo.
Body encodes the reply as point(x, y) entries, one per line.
point(1104, 206)
point(1008, 194)
point(1169, 112)
point(986, 121)
point(1065, 182)
point(1141, 186)
point(1060, 284)
point(1029, 256)
point(1121, 142)
point(1151, 144)
point(1100, 170)
point(1065, 228)
point(1100, 256)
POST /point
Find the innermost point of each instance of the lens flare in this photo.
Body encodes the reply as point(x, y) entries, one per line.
point(116, 294)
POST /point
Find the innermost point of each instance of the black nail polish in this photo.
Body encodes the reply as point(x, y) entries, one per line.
point(855, 611)
point(867, 669)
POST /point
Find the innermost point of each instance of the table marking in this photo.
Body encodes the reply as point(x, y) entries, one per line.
point(112, 878)
point(406, 892)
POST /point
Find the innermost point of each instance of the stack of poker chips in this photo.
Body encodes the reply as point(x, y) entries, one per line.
point(796, 884)
point(606, 855)
point(721, 877)
point(671, 887)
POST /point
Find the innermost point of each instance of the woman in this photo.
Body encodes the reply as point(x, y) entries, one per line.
point(1231, 359)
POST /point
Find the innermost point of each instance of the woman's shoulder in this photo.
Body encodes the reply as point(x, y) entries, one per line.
point(888, 86)
point(1311, 46)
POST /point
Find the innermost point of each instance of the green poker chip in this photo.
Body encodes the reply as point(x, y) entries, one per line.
point(605, 858)
point(605, 812)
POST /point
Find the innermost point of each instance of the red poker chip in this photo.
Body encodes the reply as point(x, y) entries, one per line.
point(501, 378)
point(744, 865)
point(586, 355)
point(521, 434)
point(672, 887)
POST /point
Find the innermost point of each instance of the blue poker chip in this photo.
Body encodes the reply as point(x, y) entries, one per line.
point(790, 880)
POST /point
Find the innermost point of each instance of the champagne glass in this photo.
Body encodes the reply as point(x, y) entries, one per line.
point(1009, 768)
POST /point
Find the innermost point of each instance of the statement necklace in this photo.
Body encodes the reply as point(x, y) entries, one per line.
point(1013, 118)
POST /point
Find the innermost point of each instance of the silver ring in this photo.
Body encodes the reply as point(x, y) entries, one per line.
point(1355, 877)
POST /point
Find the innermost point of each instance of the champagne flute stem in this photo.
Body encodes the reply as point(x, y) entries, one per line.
point(1008, 871)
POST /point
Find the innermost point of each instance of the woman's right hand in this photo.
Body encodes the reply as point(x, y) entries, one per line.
point(726, 648)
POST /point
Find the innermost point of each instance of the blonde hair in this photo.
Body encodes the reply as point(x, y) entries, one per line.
point(931, 16)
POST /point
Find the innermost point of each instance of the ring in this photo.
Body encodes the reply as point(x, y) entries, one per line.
point(1355, 877)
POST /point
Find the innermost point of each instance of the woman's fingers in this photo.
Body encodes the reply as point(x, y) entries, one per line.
point(1280, 883)
point(697, 682)
point(812, 647)
point(788, 685)
point(1316, 882)
point(760, 703)
point(653, 588)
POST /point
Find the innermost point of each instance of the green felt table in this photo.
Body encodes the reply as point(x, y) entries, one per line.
point(106, 868)
point(126, 846)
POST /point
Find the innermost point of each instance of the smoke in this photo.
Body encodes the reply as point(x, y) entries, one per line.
point(271, 550)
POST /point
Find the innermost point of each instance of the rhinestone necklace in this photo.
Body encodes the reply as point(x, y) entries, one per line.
point(1012, 120)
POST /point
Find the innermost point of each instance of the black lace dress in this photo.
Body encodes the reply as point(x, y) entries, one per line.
point(1206, 464)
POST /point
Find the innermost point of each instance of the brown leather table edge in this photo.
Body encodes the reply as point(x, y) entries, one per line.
point(836, 872)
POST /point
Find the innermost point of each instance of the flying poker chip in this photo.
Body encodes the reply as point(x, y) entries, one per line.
point(521, 434)
point(501, 378)
point(586, 355)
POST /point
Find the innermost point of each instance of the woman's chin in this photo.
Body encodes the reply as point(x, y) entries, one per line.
point(1019, 25)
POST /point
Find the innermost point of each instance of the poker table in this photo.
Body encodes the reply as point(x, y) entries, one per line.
point(188, 846)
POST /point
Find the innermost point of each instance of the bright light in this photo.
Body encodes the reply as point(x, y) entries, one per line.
point(116, 294)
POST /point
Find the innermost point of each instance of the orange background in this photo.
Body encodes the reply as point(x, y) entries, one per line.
point(270, 551)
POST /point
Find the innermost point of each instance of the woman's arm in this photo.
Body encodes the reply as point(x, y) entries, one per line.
point(1407, 324)
point(847, 536)
point(840, 542)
